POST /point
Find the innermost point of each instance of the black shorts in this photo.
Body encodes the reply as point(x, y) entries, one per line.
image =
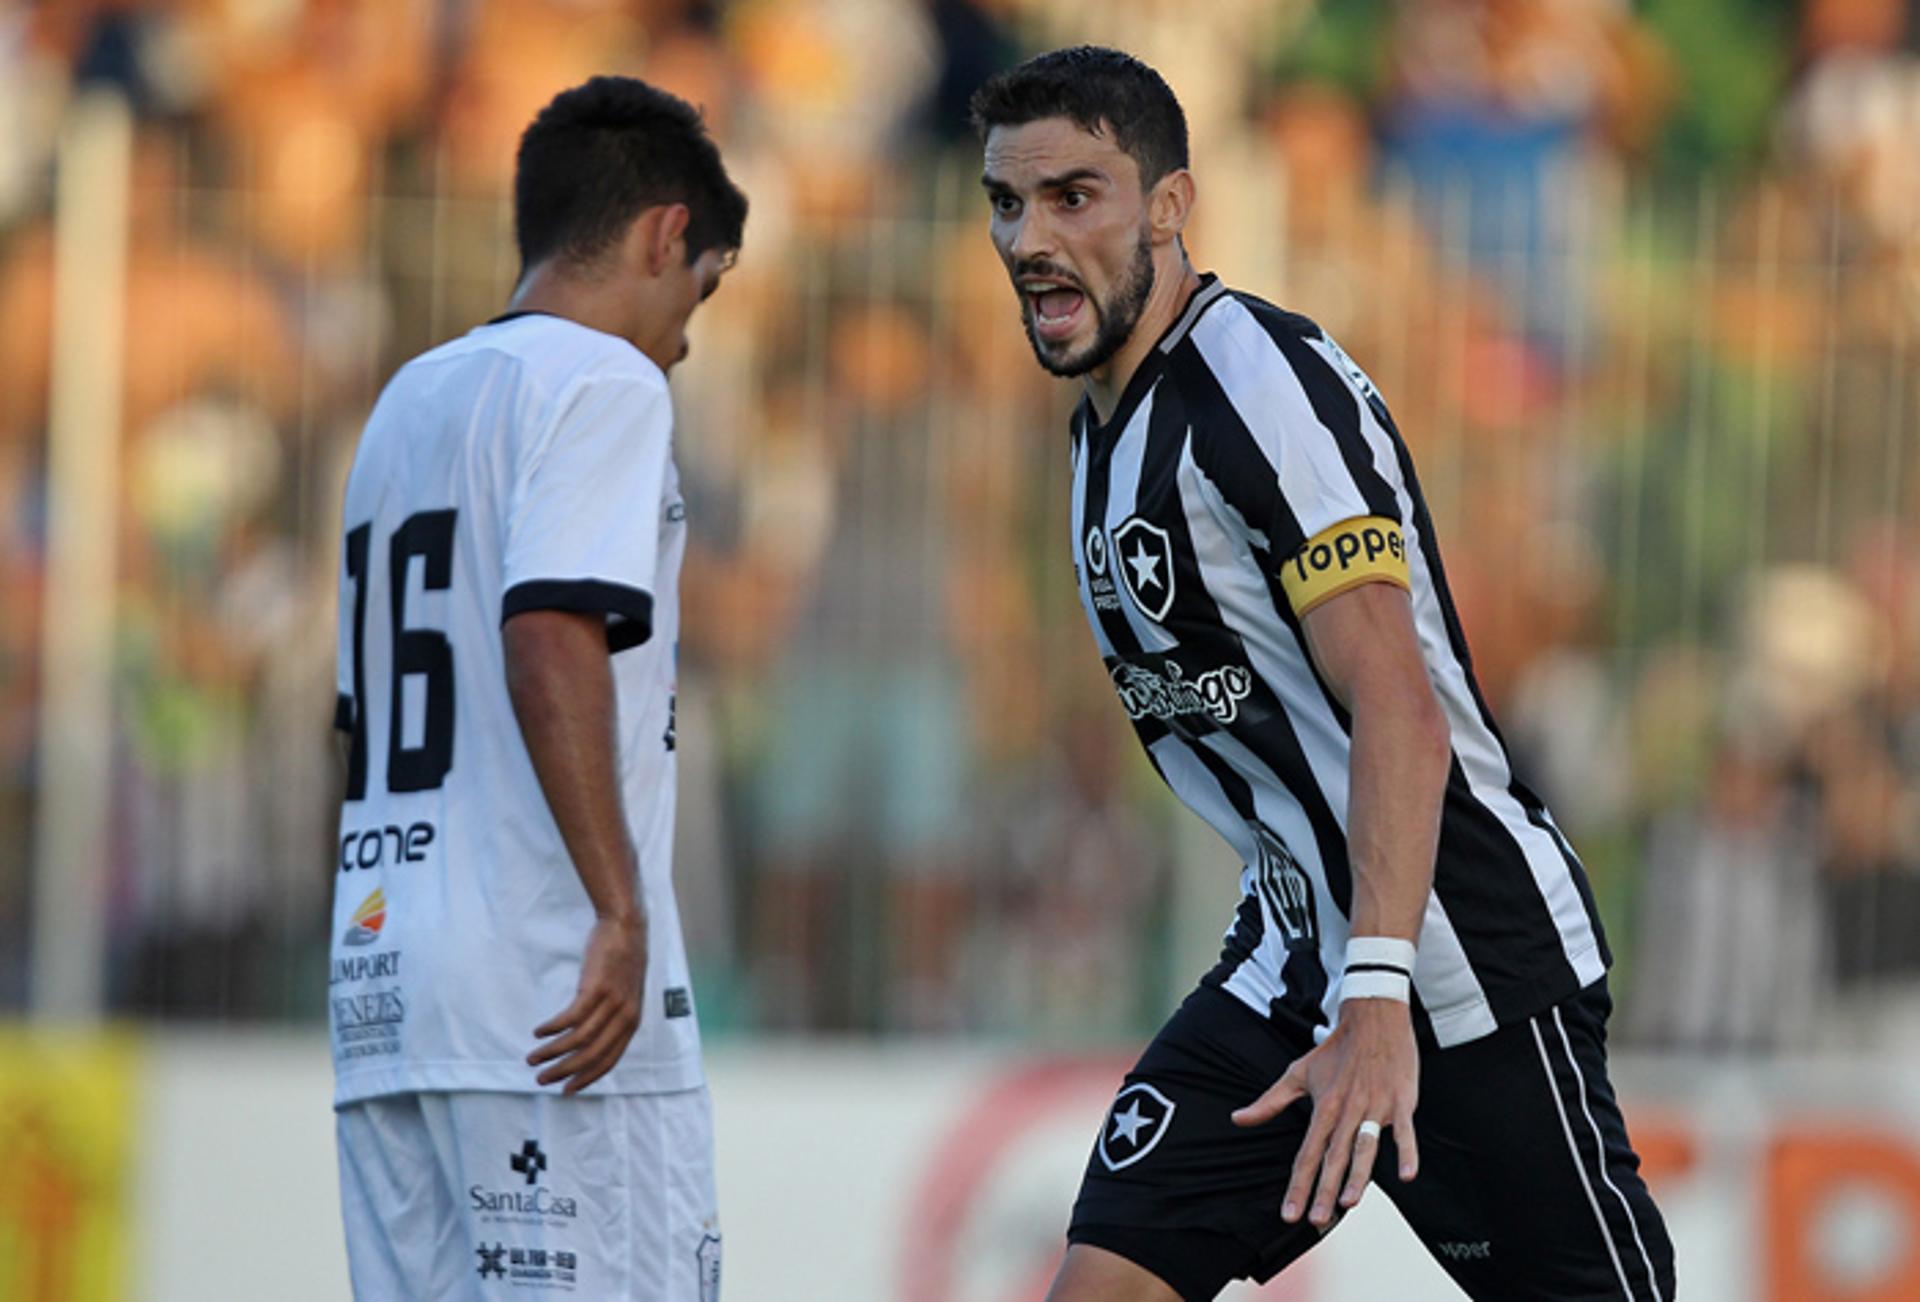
point(1528, 1186)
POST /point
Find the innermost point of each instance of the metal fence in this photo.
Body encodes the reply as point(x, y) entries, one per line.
point(1667, 439)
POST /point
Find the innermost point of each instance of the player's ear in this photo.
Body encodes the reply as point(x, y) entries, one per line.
point(659, 237)
point(1169, 205)
point(671, 239)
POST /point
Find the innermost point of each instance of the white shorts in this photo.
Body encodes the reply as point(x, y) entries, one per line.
point(475, 1196)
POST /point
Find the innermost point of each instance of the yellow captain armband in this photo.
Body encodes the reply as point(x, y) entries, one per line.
point(1367, 549)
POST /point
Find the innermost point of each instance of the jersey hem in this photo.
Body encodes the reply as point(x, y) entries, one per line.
point(629, 611)
point(1456, 1024)
point(1474, 1019)
point(585, 596)
point(1463, 1023)
point(507, 1078)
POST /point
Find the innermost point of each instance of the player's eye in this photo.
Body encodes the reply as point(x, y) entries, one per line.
point(1005, 205)
point(1074, 198)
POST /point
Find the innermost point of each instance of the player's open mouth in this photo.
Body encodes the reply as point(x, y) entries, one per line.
point(1056, 310)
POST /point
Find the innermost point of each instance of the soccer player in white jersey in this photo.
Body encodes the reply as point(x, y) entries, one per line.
point(521, 1105)
point(1415, 943)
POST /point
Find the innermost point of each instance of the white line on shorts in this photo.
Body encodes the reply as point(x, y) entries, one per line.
point(1553, 1087)
point(1601, 1147)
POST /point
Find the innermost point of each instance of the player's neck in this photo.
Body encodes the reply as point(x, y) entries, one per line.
point(594, 304)
point(1165, 303)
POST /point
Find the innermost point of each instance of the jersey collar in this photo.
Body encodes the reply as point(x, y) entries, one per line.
point(1209, 291)
point(519, 312)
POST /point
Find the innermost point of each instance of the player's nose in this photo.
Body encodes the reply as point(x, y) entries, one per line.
point(1032, 237)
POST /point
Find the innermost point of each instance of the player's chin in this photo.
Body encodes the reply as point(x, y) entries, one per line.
point(1064, 360)
point(1067, 358)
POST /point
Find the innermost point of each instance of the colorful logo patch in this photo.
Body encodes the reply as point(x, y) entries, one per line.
point(368, 920)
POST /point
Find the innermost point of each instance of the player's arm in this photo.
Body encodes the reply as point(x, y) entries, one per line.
point(582, 534)
point(561, 682)
point(1365, 646)
point(1364, 643)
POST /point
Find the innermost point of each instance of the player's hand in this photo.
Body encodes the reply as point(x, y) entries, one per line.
point(1367, 1070)
point(584, 1042)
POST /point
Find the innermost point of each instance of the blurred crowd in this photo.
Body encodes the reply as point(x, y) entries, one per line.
point(1638, 280)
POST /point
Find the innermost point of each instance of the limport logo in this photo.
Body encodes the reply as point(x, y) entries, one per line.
point(368, 919)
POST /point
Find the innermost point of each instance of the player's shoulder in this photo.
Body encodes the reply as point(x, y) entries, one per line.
point(1242, 327)
point(1264, 357)
point(1275, 321)
point(557, 356)
point(1240, 359)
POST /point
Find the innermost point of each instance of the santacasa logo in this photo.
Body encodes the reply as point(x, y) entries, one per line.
point(531, 1200)
point(368, 919)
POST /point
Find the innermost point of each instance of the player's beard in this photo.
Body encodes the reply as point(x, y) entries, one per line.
point(1117, 315)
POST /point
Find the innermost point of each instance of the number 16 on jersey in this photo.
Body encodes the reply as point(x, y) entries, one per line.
point(416, 652)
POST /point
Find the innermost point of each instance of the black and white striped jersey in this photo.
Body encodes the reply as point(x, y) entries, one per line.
point(1249, 471)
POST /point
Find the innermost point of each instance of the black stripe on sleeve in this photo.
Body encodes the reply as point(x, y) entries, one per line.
point(629, 611)
point(343, 713)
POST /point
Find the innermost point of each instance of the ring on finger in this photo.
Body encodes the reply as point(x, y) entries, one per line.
point(1367, 1130)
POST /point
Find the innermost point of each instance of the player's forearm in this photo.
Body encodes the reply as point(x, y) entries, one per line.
point(1368, 651)
point(561, 684)
point(1401, 756)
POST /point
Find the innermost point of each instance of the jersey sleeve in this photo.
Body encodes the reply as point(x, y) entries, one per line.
point(1303, 455)
point(583, 526)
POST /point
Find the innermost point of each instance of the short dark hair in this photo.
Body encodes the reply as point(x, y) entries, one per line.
point(1100, 90)
point(604, 152)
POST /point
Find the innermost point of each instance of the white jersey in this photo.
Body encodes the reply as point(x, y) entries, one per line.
point(526, 466)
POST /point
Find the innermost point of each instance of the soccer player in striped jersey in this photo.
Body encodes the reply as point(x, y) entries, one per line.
point(521, 1105)
point(1415, 942)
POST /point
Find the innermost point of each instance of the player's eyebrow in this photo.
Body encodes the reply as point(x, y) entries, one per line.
point(1060, 182)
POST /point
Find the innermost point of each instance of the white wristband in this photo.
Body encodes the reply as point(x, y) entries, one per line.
point(1378, 967)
